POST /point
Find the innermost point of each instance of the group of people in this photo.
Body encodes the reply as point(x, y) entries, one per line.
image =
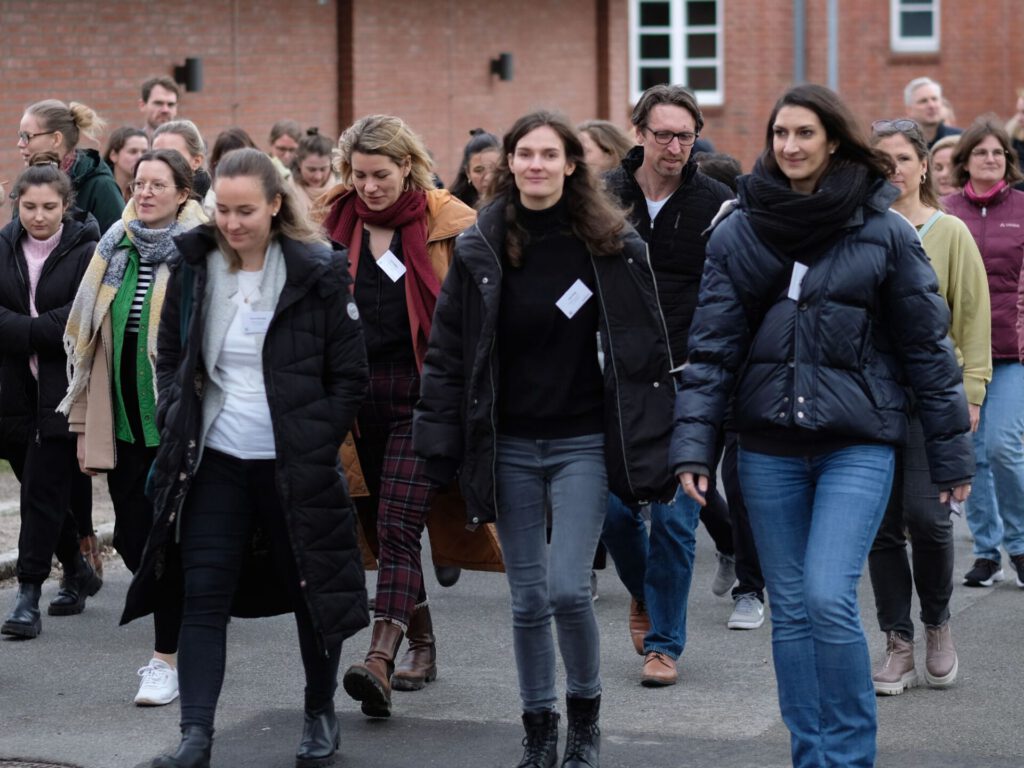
point(289, 366)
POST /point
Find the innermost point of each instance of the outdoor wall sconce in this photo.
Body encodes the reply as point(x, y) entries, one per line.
point(190, 75)
point(502, 66)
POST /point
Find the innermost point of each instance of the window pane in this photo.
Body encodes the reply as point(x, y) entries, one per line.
point(702, 78)
point(654, 14)
point(701, 12)
point(655, 47)
point(700, 46)
point(916, 23)
point(653, 76)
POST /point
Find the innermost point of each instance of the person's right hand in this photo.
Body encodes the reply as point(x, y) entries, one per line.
point(694, 486)
point(975, 413)
point(80, 450)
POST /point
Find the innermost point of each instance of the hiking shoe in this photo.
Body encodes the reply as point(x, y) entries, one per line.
point(941, 663)
point(159, 684)
point(1018, 564)
point(897, 672)
point(748, 613)
point(725, 574)
point(985, 573)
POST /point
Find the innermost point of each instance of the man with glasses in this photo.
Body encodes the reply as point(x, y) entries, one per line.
point(671, 203)
point(159, 103)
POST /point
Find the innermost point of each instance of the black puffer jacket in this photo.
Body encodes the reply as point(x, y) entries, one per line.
point(315, 373)
point(675, 241)
point(21, 335)
point(832, 364)
point(455, 421)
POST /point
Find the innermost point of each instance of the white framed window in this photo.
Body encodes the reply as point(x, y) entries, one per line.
point(914, 25)
point(677, 41)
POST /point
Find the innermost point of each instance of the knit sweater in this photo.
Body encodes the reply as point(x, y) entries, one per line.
point(36, 253)
point(964, 284)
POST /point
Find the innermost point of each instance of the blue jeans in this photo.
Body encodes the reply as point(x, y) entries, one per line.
point(995, 511)
point(569, 476)
point(814, 519)
point(656, 571)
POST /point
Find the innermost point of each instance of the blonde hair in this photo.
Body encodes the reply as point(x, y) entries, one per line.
point(189, 131)
point(389, 136)
point(70, 120)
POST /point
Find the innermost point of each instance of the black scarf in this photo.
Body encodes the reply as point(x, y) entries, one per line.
point(803, 227)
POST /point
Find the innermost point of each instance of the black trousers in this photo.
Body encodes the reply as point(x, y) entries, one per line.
point(913, 506)
point(229, 496)
point(748, 566)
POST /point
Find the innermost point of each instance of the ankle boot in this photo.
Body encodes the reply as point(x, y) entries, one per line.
point(541, 741)
point(370, 682)
point(583, 740)
point(193, 751)
point(320, 738)
point(76, 585)
point(90, 549)
point(419, 664)
point(897, 672)
point(23, 620)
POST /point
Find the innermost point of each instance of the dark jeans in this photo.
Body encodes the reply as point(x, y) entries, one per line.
point(228, 498)
point(913, 507)
point(46, 471)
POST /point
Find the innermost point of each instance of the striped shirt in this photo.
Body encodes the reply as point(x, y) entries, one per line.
point(146, 272)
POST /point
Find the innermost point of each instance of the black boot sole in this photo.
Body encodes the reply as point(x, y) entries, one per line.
point(363, 686)
point(319, 762)
point(413, 683)
point(24, 631)
point(89, 589)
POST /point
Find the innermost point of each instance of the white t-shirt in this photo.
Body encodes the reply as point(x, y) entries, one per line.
point(654, 206)
point(242, 428)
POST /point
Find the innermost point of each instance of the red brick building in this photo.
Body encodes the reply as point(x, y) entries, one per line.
point(327, 62)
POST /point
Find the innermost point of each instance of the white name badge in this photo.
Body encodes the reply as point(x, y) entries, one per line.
point(571, 301)
point(256, 320)
point(796, 281)
point(392, 267)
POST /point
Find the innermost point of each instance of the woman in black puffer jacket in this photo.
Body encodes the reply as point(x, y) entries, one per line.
point(817, 306)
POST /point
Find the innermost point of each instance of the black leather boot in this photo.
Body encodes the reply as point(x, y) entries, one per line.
point(74, 588)
point(583, 739)
point(320, 738)
point(23, 620)
point(541, 740)
point(193, 751)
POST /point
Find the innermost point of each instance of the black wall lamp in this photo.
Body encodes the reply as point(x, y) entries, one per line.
point(502, 66)
point(190, 75)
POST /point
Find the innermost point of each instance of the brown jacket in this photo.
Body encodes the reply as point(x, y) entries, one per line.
point(93, 412)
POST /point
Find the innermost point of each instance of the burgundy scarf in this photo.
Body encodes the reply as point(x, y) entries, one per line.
point(408, 215)
point(984, 199)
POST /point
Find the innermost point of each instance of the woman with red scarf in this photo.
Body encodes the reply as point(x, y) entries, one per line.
point(400, 232)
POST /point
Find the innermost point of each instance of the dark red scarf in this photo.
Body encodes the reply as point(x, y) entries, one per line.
point(408, 215)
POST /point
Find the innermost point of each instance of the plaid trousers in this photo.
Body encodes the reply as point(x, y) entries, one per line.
point(398, 489)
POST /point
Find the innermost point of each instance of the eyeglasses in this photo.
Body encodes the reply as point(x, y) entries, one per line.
point(902, 126)
point(25, 137)
point(156, 187)
point(686, 138)
point(981, 154)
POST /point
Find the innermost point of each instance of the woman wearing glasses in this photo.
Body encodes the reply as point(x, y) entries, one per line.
point(111, 399)
point(914, 506)
point(986, 166)
point(817, 303)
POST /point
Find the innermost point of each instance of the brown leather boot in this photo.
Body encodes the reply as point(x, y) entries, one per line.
point(639, 624)
point(419, 664)
point(370, 682)
point(89, 546)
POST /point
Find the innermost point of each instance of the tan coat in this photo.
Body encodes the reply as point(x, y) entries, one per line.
point(93, 412)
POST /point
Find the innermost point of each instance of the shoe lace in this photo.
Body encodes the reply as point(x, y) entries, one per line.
point(745, 604)
point(534, 744)
point(153, 676)
point(579, 735)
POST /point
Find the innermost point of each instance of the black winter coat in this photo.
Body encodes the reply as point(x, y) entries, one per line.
point(833, 363)
point(21, 335)
point(676, 240)
point(455, 422)
point(315, 373)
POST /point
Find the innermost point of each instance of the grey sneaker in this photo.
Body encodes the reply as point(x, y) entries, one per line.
point(725, 574)
point(748, 613)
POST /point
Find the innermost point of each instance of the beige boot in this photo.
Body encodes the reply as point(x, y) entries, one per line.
point(940, 661)
point(897, 672)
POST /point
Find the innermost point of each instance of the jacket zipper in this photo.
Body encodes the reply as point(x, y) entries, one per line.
point(494, 387)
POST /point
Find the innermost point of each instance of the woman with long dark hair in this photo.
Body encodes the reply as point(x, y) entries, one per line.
point(480, 158)
point(817, 305)
point(548, 340)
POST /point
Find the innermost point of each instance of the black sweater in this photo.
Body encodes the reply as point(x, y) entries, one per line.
point(550, 382)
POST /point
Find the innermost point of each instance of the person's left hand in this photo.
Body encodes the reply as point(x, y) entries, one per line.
point(960, 493)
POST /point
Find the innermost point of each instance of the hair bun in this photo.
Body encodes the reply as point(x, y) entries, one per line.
point(47, 157)
point(313, 131)
point(476, 131)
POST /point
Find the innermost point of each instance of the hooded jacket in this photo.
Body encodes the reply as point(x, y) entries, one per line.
point(96, 190)
point(455, 422)
point(21, 335)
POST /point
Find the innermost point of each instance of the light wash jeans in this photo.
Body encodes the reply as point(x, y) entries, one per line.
point(568, 475)
point(995, 511)
point(814, 519)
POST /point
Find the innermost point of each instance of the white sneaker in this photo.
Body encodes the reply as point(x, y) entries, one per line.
point(748, 613)
point(159, 684)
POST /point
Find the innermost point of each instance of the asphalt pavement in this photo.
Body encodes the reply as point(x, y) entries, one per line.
point(66, 697)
